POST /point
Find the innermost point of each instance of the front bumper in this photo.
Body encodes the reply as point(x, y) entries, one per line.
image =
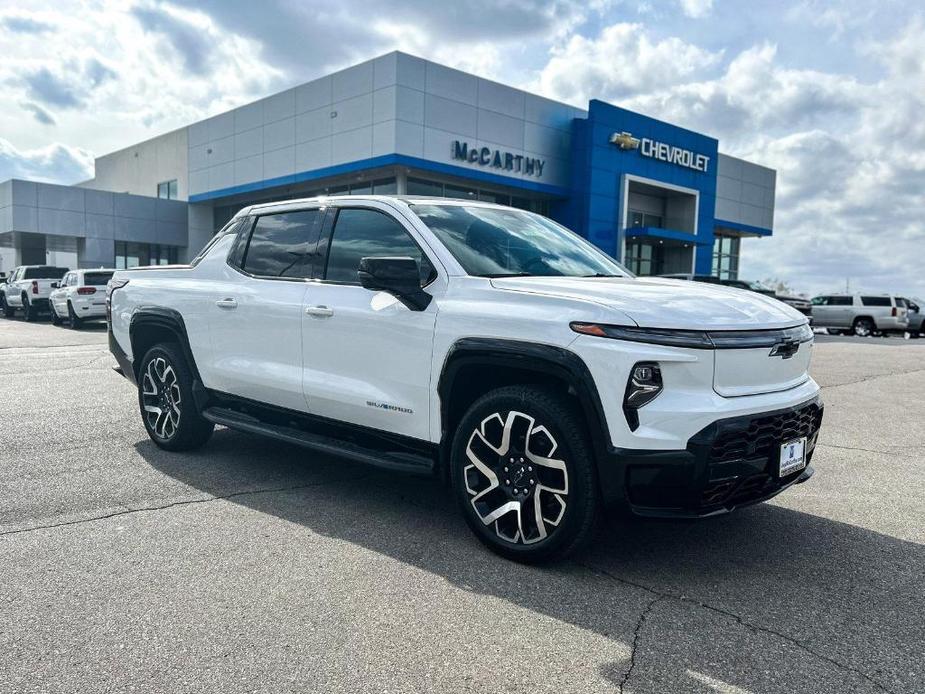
point(730, 463)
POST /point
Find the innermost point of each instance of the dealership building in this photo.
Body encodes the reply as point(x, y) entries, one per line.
point(659, 198)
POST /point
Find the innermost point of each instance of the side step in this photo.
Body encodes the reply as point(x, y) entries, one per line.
point(399, 461)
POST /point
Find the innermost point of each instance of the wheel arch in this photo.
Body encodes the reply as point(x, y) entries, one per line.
point(474, 366)
point(152, 325)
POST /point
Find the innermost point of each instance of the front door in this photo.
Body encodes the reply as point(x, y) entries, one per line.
point(367, 356)
point(256, 311)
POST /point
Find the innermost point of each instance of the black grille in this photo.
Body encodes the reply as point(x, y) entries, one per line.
point(762, 435)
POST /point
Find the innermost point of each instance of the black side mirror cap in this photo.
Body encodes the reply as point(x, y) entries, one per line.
point(399, 276)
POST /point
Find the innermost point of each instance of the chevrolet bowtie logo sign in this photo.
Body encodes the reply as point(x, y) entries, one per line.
point(661, 151)
point(624, 140)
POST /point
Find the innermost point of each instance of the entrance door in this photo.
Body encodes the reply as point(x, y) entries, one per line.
point(366, 355)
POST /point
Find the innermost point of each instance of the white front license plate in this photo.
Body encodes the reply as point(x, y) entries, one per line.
point(792, 456)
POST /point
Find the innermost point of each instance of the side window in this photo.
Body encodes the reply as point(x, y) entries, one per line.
point(279, 244)
point(876, 301)
point(359, 234)
point(820, 301)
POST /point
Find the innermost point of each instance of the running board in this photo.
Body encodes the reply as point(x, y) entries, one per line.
point(398, 461)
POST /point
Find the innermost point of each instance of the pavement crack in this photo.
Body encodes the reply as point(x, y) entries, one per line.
point(127, 510)
point(662, 595)
point(872, 378)
point(640, 623)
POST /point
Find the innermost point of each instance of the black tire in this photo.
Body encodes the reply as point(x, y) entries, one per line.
point(8, 310)
point(75, 321)
point(187, 429)
point(523, 411)
point(55, 318)
point(863, 327)
point(28, 310)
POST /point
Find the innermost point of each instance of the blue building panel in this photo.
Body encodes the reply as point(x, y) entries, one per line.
point(654, 150)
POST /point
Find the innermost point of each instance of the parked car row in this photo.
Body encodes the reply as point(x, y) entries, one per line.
point(74, 296)
point(842, 314)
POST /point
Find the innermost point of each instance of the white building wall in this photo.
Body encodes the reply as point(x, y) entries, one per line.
point(139, 168)
point(393, 104)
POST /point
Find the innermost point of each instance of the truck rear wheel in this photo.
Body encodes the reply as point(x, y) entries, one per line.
point(165, 398)
point(29, 311)
point(523, 474)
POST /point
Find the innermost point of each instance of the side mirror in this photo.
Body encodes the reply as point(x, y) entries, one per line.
point(400, 277)
point(54, 285)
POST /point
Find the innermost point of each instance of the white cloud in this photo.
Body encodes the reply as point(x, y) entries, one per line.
point(624, 60)
point(696, 9)
point(54, 163)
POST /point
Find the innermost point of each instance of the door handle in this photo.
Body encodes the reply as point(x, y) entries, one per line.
point(226, 303)
point(319, 311)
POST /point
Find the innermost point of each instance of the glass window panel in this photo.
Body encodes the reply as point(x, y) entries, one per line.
point(362, 234)
point(361, 189)
point(279, 244)
point(385, 186)
point(419, 186)
point(461, 192)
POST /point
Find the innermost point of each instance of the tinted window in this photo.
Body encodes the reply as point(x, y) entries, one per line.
point(820, 301)
point(901, 303)
point(876, 301)
point(840, 301)
point(279, 244)
point(362, 234)
point(97, 279)
point(43, 273)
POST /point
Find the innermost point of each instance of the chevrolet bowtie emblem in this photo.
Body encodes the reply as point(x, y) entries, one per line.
point(624, 140)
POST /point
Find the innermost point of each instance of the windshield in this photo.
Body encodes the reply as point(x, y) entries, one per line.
point(497, 242)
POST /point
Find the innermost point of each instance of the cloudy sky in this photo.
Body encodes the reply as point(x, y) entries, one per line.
point(831, 94)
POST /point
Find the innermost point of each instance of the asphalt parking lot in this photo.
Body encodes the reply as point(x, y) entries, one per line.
point(252, 566)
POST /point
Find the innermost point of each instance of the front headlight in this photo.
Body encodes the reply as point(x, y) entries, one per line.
point(642, 387)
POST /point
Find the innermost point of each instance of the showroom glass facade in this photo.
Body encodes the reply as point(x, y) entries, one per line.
point(129, 254)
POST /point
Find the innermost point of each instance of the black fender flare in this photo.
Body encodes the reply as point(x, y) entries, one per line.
point(548, 360)
point(172, 321)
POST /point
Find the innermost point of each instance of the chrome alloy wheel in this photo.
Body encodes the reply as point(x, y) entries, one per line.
point(513, 480)
point(160, 393)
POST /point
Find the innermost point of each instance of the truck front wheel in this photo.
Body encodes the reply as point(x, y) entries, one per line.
point(165, 398)
point(523, 474)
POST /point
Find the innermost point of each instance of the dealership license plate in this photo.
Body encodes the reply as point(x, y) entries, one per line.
point(792, 456)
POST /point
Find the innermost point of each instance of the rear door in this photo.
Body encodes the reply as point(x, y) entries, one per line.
point(256, 312)
point(366, 355)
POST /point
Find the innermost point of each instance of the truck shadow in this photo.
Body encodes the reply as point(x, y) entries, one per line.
point(833, 592)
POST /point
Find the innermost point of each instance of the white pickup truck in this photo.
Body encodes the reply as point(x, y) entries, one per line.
point(27, 289)
point(487, 345)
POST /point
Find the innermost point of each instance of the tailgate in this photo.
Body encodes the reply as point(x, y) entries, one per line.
point(761, 369)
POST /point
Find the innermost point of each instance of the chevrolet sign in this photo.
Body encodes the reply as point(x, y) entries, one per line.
point(662, 151)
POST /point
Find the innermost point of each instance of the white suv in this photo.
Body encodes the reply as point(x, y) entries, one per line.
point(481, 343)
point(80, 296)
point(861, 314)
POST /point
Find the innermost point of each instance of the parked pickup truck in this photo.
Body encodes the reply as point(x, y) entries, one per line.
point(484, 344)
point(27, 289)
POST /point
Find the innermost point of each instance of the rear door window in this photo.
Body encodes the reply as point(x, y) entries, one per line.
point(840, 301)
point(876, 301)
point(280, 243)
